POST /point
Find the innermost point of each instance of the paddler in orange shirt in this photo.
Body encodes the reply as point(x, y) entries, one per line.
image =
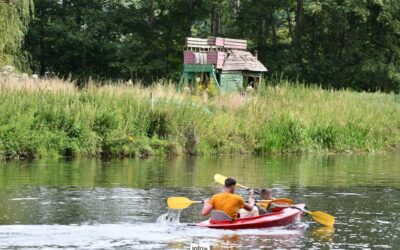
point(227, 201)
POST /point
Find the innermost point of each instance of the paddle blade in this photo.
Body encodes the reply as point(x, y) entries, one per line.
point(179, 202)
point(219, 179)
point(283, 200)
point(278, 201)
point(323, 218)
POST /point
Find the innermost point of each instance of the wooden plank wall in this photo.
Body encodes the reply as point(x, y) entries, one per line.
point(211, 57)
point(211, 50)
point(188, 57)
point(198, 68)
point(217, 58)
point(215, 43)
point(231, 82)
point(197, 42)
point(235, 44)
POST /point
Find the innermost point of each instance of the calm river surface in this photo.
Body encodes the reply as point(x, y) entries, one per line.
point(93, 204)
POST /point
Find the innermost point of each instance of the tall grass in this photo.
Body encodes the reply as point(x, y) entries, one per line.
point(52, 118)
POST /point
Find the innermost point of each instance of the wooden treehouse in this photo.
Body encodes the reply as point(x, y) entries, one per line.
point(222, 62)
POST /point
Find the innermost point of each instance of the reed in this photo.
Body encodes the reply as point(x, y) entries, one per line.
point(53, 118)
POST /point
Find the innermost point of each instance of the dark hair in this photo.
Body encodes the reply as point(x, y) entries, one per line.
point(229, 182)
point(265, 191)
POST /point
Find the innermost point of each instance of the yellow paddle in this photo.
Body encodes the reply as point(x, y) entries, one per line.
point(180, 202)
point(277, 200)
point(281, 201)
point(319, 216)
point(221, 180)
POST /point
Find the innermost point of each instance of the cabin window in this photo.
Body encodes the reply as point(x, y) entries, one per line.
point(251, 81)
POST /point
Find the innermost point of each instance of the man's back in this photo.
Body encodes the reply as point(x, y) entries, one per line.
point(227, 202)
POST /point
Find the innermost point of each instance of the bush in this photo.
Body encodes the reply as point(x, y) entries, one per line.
point(283, 134)
point(323, 137)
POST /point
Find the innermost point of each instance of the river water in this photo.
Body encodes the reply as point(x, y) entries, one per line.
point(93, 204)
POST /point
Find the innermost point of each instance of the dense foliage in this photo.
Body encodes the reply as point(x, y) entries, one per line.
point(44, 118)
point(338, 43)
point(111, 39)
point(14, 19)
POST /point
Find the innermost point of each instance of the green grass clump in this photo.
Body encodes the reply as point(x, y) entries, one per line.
point(52, 118)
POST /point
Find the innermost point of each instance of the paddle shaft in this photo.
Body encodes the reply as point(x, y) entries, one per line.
point(247, 188)
point(301, 209)
point(221, 179)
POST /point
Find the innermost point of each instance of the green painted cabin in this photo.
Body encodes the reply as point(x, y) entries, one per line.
point(222, 62)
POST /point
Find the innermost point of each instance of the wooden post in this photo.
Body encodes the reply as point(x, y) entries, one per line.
point(216, 80)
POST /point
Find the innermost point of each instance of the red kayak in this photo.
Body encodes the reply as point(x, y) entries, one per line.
point(284, 217)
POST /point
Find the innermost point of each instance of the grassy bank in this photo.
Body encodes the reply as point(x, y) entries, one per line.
point(51, 118)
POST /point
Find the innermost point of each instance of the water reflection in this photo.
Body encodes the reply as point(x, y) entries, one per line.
point(323, 233)
point(280, 239)
point(287, 171)
point(119, 201)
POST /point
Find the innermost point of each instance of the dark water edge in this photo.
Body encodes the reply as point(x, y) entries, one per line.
point(103, 204)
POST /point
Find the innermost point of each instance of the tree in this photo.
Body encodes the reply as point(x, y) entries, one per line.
point(116, 39)
point(334, 43)
point(14, 20)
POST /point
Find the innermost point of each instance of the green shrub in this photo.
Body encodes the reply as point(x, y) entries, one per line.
point(323, 137)
point(283, 134)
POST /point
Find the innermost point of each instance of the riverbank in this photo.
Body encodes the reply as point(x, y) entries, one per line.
point(52, 118)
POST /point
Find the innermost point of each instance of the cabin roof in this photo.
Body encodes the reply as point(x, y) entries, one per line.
point(242, 60)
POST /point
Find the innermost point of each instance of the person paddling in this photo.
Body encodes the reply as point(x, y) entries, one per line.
point(270, 205)
point(266, 194)
point(227, 201)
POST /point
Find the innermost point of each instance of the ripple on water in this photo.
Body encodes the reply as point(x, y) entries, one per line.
point(137, 236)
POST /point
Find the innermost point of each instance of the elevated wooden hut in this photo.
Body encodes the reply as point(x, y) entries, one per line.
point(221, 61)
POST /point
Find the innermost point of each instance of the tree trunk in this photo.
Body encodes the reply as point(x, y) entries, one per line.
point(298, 31)
point(190, 17)
point(212, 21)
point(392, 57)
point(273, 28)
point(290, 27)
point(215, 19)
point(42, 49)
point(220, 24)
point(150, 13)
point(299, 22)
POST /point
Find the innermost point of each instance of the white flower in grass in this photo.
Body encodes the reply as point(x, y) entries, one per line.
point(8, 69)
point(24, 76)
